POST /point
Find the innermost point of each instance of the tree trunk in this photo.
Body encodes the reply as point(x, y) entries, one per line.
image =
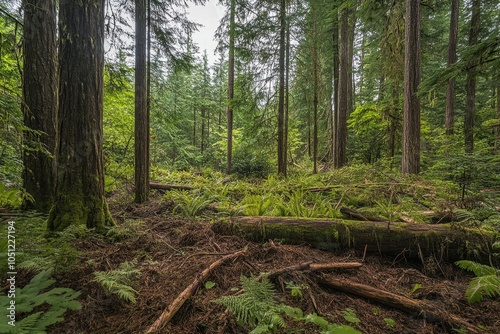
point(141, 105)
point(79, 197)
point(341, 130)
point(230, 88)
point(281, 96)
point(39, 101)
point(336, 74)
point(471, 79)
point(452, 59)
point(408, 241)
point(411, 110)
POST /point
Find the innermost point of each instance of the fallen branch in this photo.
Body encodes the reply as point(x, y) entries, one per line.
point(421, 308)
point(153, 185)
point(311, 266)
point(172, 309)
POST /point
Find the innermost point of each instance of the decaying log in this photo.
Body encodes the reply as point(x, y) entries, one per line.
point(312, 267)
point(154, 185)
point(172, 309)
point(402, 240)
point(421, 308)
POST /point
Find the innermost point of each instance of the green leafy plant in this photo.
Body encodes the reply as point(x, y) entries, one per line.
point(44, 307)
point(119, 281)
point(296, 289)
point(350, 316)
point(486, 282)
point(257, 307)
point(390, 322)
point(191, 206)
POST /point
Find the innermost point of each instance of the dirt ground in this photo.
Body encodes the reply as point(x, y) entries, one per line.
point(173, 251)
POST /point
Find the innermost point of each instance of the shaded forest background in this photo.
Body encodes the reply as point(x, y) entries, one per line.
point(188, 122)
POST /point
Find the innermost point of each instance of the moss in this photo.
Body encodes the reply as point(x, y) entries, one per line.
point(76, 209)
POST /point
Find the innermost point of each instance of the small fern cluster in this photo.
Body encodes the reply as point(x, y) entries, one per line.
point(119, 281)
point(486, 282)
point(55, 303)
point(257, 307)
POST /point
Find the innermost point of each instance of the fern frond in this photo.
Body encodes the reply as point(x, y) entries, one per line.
point(477, 268)
point(488, 285)
point(119, 281)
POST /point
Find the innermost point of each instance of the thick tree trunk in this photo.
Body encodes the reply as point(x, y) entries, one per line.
point(470, 102)
point(403, 240)
point(411, 122)
point(452, 59)
point(79, 195)
point(341, 129)
point(39, 101)
point(141, 105)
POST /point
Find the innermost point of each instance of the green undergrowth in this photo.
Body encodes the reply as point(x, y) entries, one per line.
point(257, 308)
point(374, 191)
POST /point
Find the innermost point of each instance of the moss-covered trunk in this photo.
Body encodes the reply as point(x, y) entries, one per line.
point(401, 240)
point(80, 176)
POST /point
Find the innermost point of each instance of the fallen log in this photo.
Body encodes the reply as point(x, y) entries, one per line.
point(158, 186)
point(421, 308)
point(312, 267)
point(172, 309)
point(408, 241)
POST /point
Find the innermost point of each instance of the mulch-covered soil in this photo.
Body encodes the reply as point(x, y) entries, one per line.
point(172, 251)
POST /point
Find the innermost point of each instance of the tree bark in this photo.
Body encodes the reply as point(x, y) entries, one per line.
point(471, 79)
point(281, 94)
point(335, 93)
point(141, 105)
point(39, 102)
point(452, 59)
point(230, 87)
point(411, 121)
point(341, 129)
point(409, 241)
point(79, 197)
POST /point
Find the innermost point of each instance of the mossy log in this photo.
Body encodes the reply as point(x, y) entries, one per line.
point(396, 240)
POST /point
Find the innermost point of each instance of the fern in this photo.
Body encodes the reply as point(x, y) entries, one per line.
point(486, 282)
point(55, 301)
point(258, 308)
point(119, 281)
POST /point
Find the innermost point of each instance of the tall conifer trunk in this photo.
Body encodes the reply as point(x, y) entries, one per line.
point(230, 87)
point(343, 101)
point(281, 96)
point(79, 197)
point(452, 59)
point(39, 101)
point(141, 104)
point(411, 110)
point(471, 79)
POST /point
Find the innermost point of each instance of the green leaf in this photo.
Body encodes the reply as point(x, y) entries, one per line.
point(350, 316)
point(390, 322)
point(209, 285)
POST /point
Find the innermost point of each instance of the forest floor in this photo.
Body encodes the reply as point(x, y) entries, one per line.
point(172, 251)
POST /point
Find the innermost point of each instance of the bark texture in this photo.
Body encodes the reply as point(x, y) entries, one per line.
point(141, 105)
point(39, 101)
point(411, 119)
point(402, 240)
point(470, 102)
point(452, 59)
point(80, 177)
